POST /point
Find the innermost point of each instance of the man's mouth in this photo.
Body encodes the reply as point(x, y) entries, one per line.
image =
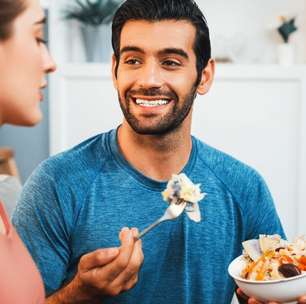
point(151, 102)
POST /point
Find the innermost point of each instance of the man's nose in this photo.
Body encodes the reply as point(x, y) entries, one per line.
point(151, 76)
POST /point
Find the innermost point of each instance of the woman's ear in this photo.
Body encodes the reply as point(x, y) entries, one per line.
point(207, 77)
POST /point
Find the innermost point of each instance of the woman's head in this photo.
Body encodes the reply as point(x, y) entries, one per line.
point(24, 61)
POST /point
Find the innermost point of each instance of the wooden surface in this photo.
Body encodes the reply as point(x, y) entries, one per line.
point(7, 162)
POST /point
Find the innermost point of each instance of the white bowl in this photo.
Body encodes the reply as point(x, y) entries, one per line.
point(284, 290)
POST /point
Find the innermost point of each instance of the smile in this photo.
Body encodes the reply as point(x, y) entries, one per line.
point(151, 103)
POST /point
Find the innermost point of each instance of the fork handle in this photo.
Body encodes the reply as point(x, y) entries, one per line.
point(143, 232)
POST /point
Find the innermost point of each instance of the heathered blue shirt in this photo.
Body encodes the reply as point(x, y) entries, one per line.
point(79, 200)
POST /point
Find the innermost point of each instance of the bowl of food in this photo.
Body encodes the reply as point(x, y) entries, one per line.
point(271, 269)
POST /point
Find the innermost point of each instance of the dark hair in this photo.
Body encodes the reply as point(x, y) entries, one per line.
point(9, 10)
point(158, 10)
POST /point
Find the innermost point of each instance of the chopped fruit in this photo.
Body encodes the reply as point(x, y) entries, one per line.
point(271, 258)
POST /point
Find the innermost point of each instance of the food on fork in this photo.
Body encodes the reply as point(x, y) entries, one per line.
point(181, 194)
point(180, 189)
point(272, 258)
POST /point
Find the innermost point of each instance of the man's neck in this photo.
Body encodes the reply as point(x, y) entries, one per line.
point(156, 156)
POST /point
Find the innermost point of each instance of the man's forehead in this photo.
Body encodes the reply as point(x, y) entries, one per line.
point(160, 34)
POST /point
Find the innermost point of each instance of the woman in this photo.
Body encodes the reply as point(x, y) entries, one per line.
point(24, 63)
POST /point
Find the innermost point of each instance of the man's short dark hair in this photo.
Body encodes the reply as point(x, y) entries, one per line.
point(158, 10)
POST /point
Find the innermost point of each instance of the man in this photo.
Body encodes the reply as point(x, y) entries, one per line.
point(75, 203)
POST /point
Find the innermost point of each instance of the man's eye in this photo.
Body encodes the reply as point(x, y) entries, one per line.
point(171, 63)
point(132, 61)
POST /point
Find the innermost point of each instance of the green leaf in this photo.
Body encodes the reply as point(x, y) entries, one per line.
point(92, 13)
point(286, 29)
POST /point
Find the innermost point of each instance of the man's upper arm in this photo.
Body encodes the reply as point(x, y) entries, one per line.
point(40, 221)
point(260, 211)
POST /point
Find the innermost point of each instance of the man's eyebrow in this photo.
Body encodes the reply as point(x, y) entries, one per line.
point(169, 51)
point(43, 20)
point(131, 49)
point(166, 51)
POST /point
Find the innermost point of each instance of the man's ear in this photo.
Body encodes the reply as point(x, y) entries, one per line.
point(207, 77)
point(114, 77)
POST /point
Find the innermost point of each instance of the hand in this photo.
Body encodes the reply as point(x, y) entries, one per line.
point(246, 299)
point(110, 271)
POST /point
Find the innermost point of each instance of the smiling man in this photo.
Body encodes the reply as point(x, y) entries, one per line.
point(75, 203)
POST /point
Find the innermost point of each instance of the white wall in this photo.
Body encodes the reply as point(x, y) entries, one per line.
point(244, 29)
point(248, 26)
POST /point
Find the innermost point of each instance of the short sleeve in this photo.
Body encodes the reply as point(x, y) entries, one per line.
point(260, 213)
point(41, 221)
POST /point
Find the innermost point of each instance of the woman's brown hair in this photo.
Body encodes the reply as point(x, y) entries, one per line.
point(9, 10)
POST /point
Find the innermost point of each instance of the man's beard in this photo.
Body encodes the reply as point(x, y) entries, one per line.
point(167, 123)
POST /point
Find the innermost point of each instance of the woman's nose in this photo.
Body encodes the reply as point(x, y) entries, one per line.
point(48, 62)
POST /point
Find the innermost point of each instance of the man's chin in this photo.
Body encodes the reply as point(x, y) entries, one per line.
point(151, 130)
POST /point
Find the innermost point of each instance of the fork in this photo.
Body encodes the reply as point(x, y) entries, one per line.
point(171, 213)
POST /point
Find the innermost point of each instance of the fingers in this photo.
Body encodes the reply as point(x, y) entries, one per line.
point(253, 301)
point(131, 283)
point(112, 270)
point(302, 300)
point(97, 258)
point(128, 278)
point(244, 297)
point(241, 295)
point(248, 300)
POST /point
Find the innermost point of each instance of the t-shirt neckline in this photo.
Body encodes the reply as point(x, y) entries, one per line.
point(144, 180)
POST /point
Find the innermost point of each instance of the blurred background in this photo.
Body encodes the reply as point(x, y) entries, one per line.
point(255, 111)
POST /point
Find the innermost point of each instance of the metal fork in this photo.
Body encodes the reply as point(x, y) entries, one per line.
point(171, 213)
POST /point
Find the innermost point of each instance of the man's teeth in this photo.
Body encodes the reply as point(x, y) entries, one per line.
point(151, 103)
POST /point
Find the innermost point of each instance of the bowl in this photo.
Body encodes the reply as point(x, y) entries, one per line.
point(284, 290)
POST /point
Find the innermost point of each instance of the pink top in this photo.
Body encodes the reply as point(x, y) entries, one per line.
point(20, 281)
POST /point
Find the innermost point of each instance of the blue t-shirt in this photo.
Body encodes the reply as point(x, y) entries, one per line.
point(79, 200)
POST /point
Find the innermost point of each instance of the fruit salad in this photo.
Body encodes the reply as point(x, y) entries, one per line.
point(272, 258)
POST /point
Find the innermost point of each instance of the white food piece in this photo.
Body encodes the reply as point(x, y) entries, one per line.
point(181, 188)
point(252, 249)
point(271, 242)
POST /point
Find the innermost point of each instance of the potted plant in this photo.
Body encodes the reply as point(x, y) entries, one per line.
point(285, 50)
point(95, 18)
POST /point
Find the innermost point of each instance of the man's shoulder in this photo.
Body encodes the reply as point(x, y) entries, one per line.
point(232, 172)
point(86, 158)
